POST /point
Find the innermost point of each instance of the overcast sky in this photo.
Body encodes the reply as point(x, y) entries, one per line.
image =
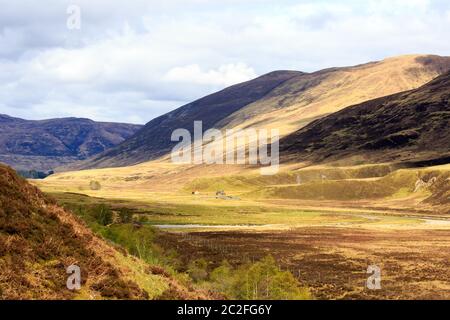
point(134, 60)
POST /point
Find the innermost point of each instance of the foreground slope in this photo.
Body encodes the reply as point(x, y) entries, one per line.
point(283, 100)
point(46, 144)
point(39, 240)
point(413, 126)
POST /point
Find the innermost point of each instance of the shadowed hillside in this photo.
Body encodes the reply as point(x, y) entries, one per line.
point(412, 126)
point(46, 144)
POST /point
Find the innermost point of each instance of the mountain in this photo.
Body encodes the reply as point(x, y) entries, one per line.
point(309, 97)
point(46, 144)
point(412, 126)
point(39, 241)
point(285, 100)
point(153, 140)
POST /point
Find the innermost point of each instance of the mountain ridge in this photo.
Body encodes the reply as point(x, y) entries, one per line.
point(154, 138)
point(46, 144)
point(287, 105)
point(411, 126)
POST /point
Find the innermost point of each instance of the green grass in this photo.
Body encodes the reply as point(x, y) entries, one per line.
point(246, 183)
point(141, 242)
point(210, 213)
point(396, 184)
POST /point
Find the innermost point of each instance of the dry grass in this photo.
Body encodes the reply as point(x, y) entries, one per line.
point(288, 111)
point(369, 215)
point(39, 240)
point(332, 261)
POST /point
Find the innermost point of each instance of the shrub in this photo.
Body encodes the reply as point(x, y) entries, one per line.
point(103, 215)
point(125, 215)
point(95, 185)
point(142, 219)
point(197, 270)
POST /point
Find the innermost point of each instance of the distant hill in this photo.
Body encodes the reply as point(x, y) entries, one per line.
point(286, 100)
point(412, 126)
point(46, 144)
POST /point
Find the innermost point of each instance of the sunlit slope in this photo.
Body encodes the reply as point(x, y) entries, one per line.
point(308, 97)
point(151, 179)
point(283, 100)
point(154, 140)
point(304, 98)
point(412, 126)
point(371, 186)
point(136, 180)
point(376, 182)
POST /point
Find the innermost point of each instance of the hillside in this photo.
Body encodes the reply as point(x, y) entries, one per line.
point(153, 140)
point(46, 144)
point(287, 101)
point(39, 240)
point(302, 100)
point(412, 126)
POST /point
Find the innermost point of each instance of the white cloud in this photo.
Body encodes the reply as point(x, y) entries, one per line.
point(139, 59)
point(225, 75)
point(398, 6)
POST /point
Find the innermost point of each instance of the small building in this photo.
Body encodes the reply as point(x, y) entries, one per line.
point(220, 193)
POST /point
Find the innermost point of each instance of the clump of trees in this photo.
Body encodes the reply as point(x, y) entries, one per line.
point(262, 280)
point(34, 174)
point(103, 215)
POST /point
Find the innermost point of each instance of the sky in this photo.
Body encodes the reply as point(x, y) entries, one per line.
point(131, 61)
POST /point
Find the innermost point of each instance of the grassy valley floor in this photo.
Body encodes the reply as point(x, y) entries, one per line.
point(325, 225)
